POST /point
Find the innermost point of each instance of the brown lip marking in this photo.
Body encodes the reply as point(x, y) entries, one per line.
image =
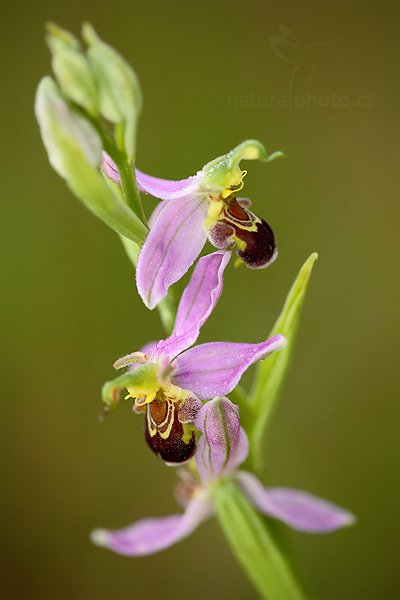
point(260, 248)
point(172, 449)
point(236, 211)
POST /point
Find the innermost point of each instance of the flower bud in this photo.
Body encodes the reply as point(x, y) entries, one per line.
point(119, 92)
point(72, 69)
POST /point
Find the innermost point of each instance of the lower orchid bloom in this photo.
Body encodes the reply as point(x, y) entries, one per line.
point(168, 379)
point(194, 209)
point(222, 448)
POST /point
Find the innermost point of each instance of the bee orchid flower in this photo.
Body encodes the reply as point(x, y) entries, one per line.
point(168, 379)
point(222, 448)
point(194, 209)
point(88, 118)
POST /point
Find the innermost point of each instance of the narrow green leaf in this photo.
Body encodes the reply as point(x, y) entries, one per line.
point(74, 150)
point(253, 545)
point(270, 373)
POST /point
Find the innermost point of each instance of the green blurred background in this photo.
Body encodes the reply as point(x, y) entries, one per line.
point(211, 77)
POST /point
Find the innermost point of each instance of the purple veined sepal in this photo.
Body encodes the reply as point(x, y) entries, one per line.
point(214, 369)
point(149, 536)
point(223, 447)
point(197, 303)
point(175, 240)
point(298, 509)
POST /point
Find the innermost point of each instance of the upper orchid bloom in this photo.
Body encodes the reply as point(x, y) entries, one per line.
point(167, 380)
point(204, 205)
point(222, 448)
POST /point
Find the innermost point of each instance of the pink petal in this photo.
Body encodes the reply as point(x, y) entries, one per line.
point(146, 349)
point(156, 212)
point(167, 189)
point(214, 369)
point(239, 452)
point(197, 303)
point(152, 535)
point(298, 509)
point(109, 168)
point(173, 244)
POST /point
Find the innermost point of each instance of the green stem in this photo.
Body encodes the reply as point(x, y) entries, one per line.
point(116, 151)
point(254, 546)
point(128, 180)
point(167, 310)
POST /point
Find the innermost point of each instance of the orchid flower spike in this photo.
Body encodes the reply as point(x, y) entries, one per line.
point(194, 209)
point(167, 380)
point(222, 448)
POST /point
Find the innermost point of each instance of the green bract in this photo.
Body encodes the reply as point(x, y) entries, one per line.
point(74, 149)
point(119, 92)
point(72, 69)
